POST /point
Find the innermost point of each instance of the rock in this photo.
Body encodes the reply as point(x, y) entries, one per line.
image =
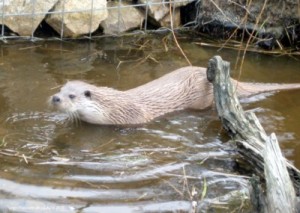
point(26, 24)
point(166, 21)
point(158, 9)
point(121, 19)
point(78, 17)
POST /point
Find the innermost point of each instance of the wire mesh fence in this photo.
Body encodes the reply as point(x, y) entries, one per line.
point(35, 19)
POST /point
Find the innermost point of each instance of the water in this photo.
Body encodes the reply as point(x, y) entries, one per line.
point(169, 165)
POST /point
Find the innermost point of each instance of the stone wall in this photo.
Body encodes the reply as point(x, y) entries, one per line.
point(273, 21)
point(73, 18)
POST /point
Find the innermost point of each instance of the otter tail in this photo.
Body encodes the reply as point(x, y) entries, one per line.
point(248, 89)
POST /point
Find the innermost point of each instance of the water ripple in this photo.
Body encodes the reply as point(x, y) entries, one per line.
point(148, 174)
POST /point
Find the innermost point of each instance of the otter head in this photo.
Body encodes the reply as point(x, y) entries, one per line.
point(80, 101)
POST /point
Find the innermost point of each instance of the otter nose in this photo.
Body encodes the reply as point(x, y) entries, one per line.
point(55, 99)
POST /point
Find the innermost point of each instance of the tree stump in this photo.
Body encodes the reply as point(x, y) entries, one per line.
point(258, 149)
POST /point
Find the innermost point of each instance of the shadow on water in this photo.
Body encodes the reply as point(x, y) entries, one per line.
point(48, 164)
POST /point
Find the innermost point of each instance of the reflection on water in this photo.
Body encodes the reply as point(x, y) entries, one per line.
point(174, 164)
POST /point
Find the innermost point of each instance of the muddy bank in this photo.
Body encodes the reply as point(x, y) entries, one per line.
point(268, 24)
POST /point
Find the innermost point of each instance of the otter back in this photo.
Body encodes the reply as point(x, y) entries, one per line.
point(183, 88)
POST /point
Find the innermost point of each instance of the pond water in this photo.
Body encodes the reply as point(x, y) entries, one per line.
point(176, 163)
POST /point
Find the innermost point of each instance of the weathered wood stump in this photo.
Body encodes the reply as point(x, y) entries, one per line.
point(259, 150)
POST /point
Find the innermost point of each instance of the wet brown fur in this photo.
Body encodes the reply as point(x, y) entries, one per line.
point(181, 89)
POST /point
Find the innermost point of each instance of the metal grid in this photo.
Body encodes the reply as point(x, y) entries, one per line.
point(6, 33)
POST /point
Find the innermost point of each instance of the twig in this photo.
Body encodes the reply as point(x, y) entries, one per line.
point(174, 36)
point(204, 191)
point(102, 145)
point(250, 38)
point(177, 190)
point(25, 159)
point(252, 49)
point(32, 47)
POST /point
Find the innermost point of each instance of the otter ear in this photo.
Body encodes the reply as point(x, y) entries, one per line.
point(87, 93)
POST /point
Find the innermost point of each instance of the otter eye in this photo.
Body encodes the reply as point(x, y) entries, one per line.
point(87, 93)
point(71, 96)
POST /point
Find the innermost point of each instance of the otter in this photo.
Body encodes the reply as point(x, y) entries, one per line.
point(184, 88)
